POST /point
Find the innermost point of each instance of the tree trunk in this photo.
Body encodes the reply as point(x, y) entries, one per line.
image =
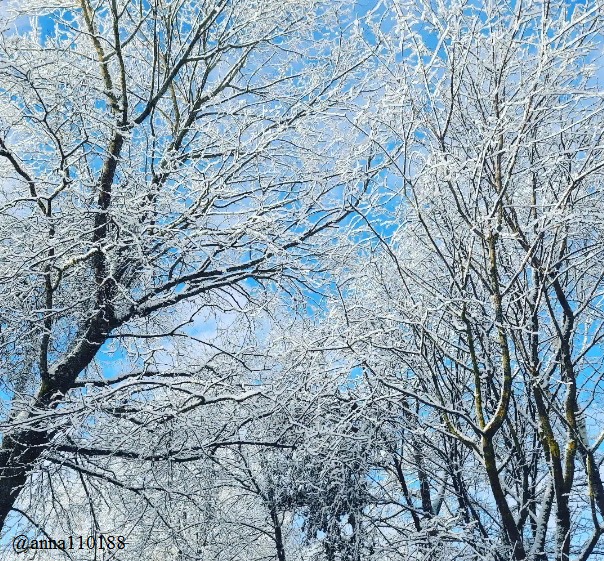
point(509, 525)
point(21, 451)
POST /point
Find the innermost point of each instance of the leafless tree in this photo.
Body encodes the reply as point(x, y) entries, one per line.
point(162, 163)
point(481, 293)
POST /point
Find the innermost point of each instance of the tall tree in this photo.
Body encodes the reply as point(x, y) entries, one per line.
point(158, 159)
point(486, 279)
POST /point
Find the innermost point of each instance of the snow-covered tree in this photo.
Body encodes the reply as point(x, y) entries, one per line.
point(303, 280)
point(481, 294)
point(163, 164)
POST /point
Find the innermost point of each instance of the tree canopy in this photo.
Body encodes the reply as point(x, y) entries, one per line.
point(301, 280)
